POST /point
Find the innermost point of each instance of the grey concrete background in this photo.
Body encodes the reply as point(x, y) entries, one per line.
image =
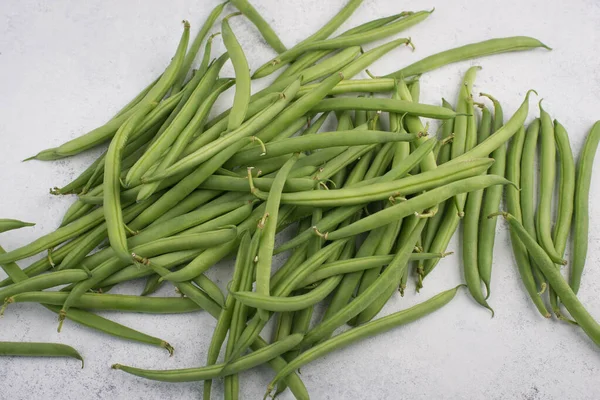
point(67, 66)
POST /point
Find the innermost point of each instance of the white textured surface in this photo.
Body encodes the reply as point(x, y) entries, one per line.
point(67, 66)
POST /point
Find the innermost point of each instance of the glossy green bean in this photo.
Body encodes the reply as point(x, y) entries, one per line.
point(195, 46)
point(581, 215)
point(242, 75)
point(340, 42)
point(391, 275)
point(108, 130)
point(42, 282)
point(382, 104)
point(467, 52)
point(320, 141)
point(383, 190)
point(210, 372)
point(263, 27)
point(31, 349)
point(368, 330)
point(491, 203)
point(556, 280)
point(179, 122)
point(112, 184)
point(249, 128)
point(111, 302)
point(182, 140)
point(513, 205)
point(543, 220)
point(416, 204)
point(10, 224)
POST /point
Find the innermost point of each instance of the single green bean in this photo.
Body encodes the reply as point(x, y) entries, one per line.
point(152, 285)
point(581, 216)
point(467, 52)
point(263, 27)
point(10, 224)
point(242, 75)
point(382, 104)
point(42, 282)
point(31, 349)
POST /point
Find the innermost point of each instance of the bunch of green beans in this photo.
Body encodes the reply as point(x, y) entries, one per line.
point(177, 192)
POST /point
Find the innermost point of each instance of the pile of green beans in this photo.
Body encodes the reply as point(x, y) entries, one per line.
point(176, 192)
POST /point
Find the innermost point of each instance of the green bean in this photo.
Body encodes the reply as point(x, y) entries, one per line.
point(293, 303)
point(368, 330)
point(383, 190)
point(184, 137)
point(320, 141)
point(341, 213)
point(10, 224)
point(341, 42)
point(210, 288)
point(242, 75)
point(93, 238)
point(556, 280)
point(284, 288)
point(312, 57)
point(241, 184)
point(196, 199)
point(43, 282)
point(382, 104)
point(31, 349)
point(108, 130)
point(210, 372)
point(470, 226)
point(391, 274)
point(566, 188)
point(111, 302)
point(543, 220)
point(60, 235)
point(88, 319)
point(161, 246)
point(513, 173)
point(377, 85)
point(170, 134)
point(214, 129)
point(152, 285)
point(112, 185)
point(267, 227)
point(263, 27)
point(77, 184)
point(491, 203)
point(250, 127)
point(225, 317)
point(581, 216)
point(528, 187)
point(195, 46)
point(467, 52)
point(416, 204)
point(501, 136)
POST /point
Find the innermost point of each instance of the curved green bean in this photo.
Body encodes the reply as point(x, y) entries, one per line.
point(467, 52)
point(242, 75)
point(383, 104)
point(263, 27)
point(42, 282)
point(581, 216)
point(31, 349)
point(10, 224)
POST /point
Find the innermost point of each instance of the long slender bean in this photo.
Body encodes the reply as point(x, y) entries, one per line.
point(263, 27)
point(31, 349)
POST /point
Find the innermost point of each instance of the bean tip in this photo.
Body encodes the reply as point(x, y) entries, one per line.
point(116, 366)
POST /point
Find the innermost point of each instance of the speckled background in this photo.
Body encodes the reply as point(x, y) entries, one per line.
point(67, 66)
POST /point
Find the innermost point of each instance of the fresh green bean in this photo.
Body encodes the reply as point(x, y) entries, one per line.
point(10, 224)
point(581, 216)
point(368, 330)
point(112, 184)
point(152, 285)
point(242, 75)
point(195, 46)
point(196, 199)
point(42, 282)
point(214, 371)
point(111, 302)
point(31, 349)
point(108, 130)
point(543, 220)
point(491, 203)
point(263, 27)
point(556, 280)
point(340, 42)
point(566, 188)
point(416, 204)
point(467, 52)
point(381, 191)
point(382, 104)
point(513, 173)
